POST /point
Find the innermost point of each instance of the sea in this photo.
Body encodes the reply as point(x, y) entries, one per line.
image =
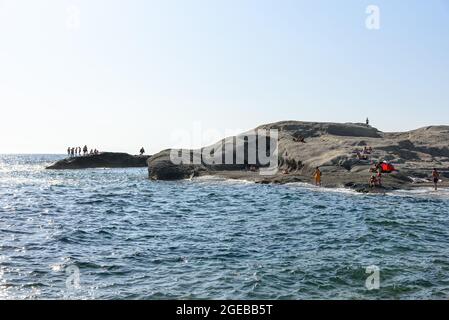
point(114, 234)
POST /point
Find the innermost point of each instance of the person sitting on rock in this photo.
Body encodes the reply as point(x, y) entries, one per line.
point(366, 150)
point(361, 156)
point(317, 176)
point(142, 151)
point(299, 139)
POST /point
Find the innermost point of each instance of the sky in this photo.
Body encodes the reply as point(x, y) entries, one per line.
point(119, 75)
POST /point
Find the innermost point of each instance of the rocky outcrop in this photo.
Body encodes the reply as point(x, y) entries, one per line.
point(162, 168)
point(228, 155)
point(102, 160)
point(302, 146)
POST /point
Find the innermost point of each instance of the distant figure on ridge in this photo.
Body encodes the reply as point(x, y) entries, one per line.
point(436, 178)
point(85, 150)
point(68, 151)
point(142, 151)
point(72, 152)
point(367, 121)
point(317, 176)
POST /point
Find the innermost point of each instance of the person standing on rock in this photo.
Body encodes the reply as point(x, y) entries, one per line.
point(142, 151)
point(317, 176)
point(379, 175)
point(85, 150)
point(68, 151)
point(436, 178)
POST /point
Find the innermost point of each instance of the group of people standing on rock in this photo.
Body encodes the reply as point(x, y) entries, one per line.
point(77, 151)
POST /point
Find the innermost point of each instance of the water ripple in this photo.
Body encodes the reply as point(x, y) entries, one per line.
point(132, 238)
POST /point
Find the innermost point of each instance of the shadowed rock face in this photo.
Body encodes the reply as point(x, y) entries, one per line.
point(330, 146)
point(102, 160)
point(162, 168)
point(230, 154)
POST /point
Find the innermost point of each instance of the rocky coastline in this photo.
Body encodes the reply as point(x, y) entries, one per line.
point(300, 147)
point(333, 147)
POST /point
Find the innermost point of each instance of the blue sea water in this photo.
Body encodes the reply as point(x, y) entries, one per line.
point(131, 238)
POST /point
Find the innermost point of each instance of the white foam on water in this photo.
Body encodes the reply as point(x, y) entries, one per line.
point(207, 178)
point(423, 192)
point(303, 185)
point(210, 178)
point(312, 187)
point(419, 192)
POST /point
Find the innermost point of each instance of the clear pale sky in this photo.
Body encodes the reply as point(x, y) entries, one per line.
point(133, 72)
